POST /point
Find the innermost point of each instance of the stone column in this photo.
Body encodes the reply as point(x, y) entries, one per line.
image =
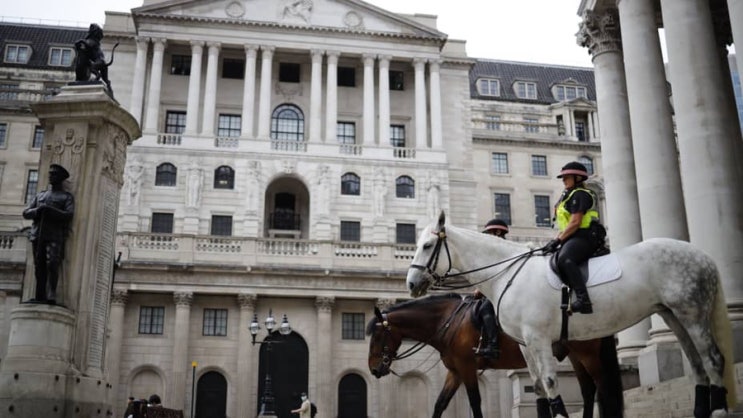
point(153, 96)
point(590, 133)
point(600, 34)
point(210, 90)
point(331, 97)
point(384, 100)
point(58, 350)
point(709, 143)
point(421, 136)
point(435, 92)
point(368, 115)
point(324, 383)
point(194, 89)
point(245, 352)
point(181, 365)
point(264, 105)
point(316, 97)
point(119, 298)
point(735, 9)
point(140, 68)
point(246, 130)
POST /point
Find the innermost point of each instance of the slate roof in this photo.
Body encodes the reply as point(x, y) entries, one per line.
point(544, 75)
point(40, 38)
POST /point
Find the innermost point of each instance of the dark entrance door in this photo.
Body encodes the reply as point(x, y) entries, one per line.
point(288, 365)
point(211, 396)
point(352, 397)
point(284, 216)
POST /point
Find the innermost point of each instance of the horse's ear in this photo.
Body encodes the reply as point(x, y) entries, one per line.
point(378, 314)
point(442, 219)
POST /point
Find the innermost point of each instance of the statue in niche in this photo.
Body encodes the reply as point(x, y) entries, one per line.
point(253, 175)
point(51, 212)
point(433, 198)
point(134, 182)
point(297, 8)
point(89, 59)
point(380, 193)
point(323, 189)
point(193, 185)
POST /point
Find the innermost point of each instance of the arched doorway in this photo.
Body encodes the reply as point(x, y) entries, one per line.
point(352, 396)
point(211, 396)
point(287, 209)
point(288, 363)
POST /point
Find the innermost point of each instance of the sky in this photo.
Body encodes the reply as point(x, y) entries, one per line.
point(541, 31)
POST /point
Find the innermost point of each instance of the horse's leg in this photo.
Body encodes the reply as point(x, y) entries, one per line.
point(587, 386)
point(451, 385)
point(545, 366)
point(543, 403)
point(473, 393)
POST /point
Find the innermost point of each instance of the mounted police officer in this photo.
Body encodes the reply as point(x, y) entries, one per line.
point(580, 235)
point(485, 310)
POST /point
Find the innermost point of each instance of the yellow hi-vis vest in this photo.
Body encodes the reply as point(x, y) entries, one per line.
point(563, 216)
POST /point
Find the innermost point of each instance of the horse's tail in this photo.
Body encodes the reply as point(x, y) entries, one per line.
point(723, 334)
point(112, 55)
point(611, 391)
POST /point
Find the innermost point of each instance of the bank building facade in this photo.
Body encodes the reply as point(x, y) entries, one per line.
point(291, 153)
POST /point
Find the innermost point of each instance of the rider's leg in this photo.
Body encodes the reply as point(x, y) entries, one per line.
point(487, 314)
point(575, 251)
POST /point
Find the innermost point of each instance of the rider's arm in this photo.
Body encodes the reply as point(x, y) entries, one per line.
point(573, 225)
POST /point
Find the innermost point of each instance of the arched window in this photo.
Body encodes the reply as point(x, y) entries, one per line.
point(350, 184)
point(165, 175)
point(287, 123)
point(224, 177)
point(405, 187)
point(588, 162)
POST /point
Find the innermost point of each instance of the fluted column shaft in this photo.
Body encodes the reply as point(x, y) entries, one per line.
point(264, 104)
point(316, 97)
point(246, 130)
point(368, 138)
point(324, 383)
point(194, 88)
point(435, 93)
point(210, 90)
point(113, 348)
point(181, 365)
point(245, 352)
point(331, 98)
point(156, 77)
point(140, 67)
point(420, 102)
point(384, 100)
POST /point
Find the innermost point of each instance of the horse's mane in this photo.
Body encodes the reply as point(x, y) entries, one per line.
point(429, 300)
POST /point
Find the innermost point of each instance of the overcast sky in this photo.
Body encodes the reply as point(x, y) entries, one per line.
point(519, 30)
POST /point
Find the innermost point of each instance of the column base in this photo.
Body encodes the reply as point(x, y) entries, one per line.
point(660, 362)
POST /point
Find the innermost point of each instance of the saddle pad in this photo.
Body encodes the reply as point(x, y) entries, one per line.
point(600, 270)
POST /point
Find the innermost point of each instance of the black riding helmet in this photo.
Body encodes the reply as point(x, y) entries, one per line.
point(575, 168)
point(496, 224)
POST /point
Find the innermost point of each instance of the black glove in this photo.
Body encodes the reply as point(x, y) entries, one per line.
point(552, 246)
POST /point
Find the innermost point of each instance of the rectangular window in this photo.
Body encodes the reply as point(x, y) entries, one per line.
point(542, 211)
point(580, 131)
point(8, 91)
point(488, 87)
point(17, 54)
point(346, 76)
point(526, 90)
point(397, 80)
point(353, 325)
point(492, 122)
point(32, 182)
point(3, 134)
point(531, 125)
point(162, 223)
point(175, 122)
point(538, 165)
point(397, 136)
point(288, 72)
point(60, 57)
point(350, 231)
point(499, 163)
point(151, 319)
point(233, 68)
point(405, 233)
point(180, 65)
point(229, 125)
point(503, 206)
point(215, 322)
point(346, 132)
point(221, 225)
point(38, 137)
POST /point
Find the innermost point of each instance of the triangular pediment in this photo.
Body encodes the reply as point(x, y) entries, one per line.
point(350, 15)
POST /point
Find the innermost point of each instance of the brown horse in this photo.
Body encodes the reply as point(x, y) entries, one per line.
point(446, 323)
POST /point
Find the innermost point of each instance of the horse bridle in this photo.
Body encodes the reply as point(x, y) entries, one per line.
point(433, 260)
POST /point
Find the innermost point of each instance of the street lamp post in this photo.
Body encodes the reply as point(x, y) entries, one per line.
point(267, 399)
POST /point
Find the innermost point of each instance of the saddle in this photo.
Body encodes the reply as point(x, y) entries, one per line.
point(600, 252)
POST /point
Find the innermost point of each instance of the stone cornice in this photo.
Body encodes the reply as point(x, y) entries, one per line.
point(532, 143)
point(383, 303)
point(119, 297)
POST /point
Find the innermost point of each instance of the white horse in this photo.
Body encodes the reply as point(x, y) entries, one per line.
point(669, 277)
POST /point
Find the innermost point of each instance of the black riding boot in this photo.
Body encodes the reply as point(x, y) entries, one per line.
point(574, 277)
point(490, 347)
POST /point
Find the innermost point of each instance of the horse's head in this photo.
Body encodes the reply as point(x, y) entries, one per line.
point(383, 344)
point(425, 264)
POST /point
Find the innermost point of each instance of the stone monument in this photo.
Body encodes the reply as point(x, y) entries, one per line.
point(55, 364)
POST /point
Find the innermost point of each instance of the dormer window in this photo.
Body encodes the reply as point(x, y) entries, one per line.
point(567, 93)
point(17, 54)
point(525, 90)
point(60, 57)
point(488, 87)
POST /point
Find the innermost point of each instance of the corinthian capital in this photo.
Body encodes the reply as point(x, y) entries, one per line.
point(183, 298)
point(246, 300)
point(599, 32)
point(383, 304)
point(324, 303)
point(119, 297)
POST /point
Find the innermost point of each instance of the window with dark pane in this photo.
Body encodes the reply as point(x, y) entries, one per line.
point(151, 319)
point(3, 132)
point(397, 80)
point(162, 223)
point(289, 72)
point(221, 225)
point(351, 231)
point(353, 325)
point(215, 322)
point(405, 187)
point(180, 65)
point(350, 184)
point(588, 162)
point(405, 233)
point(38, 137)
point(499, 163)
point(287, 123)
point(32, 183)
point(229, 125)
point(346, 133)
point(538, 165)
point(233, 68)
point(224, 177)
point(175, 122)
point(397, 136)
point(165, 175)
point(503, 207)
point(542, 211)
point(346, 76)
